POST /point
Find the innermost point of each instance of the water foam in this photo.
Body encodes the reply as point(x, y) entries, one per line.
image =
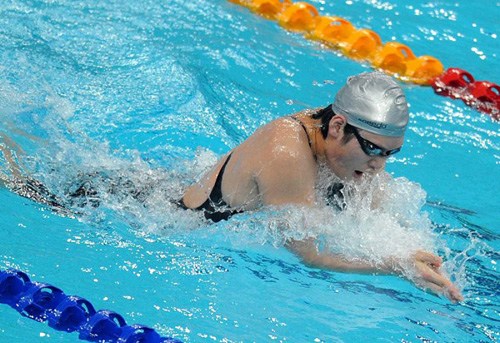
point(382, 217)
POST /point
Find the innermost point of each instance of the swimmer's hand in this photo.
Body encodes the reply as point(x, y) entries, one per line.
point(423, 268)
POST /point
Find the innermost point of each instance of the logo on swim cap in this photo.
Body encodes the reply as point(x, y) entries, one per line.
point(373, 102)
point(373, 124)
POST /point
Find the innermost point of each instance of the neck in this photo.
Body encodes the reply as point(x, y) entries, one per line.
point(319, 144)
point(313, 127)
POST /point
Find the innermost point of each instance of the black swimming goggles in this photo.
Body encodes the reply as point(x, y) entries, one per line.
point(372, 149)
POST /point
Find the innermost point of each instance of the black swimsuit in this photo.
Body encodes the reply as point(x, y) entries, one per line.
point(215, 208)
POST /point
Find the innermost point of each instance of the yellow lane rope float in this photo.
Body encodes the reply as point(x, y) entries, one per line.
point(360, 44)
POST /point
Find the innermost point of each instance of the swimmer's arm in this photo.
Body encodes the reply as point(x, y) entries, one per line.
point(422, 268)
point(308, 252)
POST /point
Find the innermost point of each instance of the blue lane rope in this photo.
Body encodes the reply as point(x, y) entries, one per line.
point(43, 302)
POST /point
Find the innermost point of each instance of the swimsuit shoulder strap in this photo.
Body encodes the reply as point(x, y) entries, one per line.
point(216, 194)
point(215, 208)
point(307, 134)
point(305, 129)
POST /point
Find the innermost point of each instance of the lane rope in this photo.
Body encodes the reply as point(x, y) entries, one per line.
point(45, 303)
point(394, 58)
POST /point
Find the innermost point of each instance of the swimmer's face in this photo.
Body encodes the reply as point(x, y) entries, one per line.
point(350, 160)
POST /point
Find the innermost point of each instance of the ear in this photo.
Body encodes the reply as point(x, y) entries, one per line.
point(336, 126)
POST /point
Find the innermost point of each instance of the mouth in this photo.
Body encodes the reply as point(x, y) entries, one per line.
point(358, 174)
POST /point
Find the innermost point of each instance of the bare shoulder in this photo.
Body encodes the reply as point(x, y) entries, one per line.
point(282, 137)
point(281, 162)
point(277, 149)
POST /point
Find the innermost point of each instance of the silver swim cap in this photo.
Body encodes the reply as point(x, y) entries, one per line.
point(373, 102)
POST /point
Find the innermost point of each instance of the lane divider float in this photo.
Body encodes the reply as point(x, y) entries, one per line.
point(457, 83)
point(365, 45)
point(43, 302)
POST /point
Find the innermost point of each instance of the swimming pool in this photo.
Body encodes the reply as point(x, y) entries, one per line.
point(140, 90)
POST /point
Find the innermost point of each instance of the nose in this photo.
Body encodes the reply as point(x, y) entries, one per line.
point(377, 162)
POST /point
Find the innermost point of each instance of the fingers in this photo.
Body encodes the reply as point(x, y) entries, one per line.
point(429, 258)
point(430, 286)
point(451, 292)
point(432, 279)
point(431, 275)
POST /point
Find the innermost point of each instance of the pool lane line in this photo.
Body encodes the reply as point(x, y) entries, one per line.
point(394, 58)
point(45, 303)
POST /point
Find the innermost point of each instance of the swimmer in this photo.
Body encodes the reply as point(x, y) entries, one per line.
point(279, 164)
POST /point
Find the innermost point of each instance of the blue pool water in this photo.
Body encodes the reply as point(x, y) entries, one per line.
point(152, 92)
